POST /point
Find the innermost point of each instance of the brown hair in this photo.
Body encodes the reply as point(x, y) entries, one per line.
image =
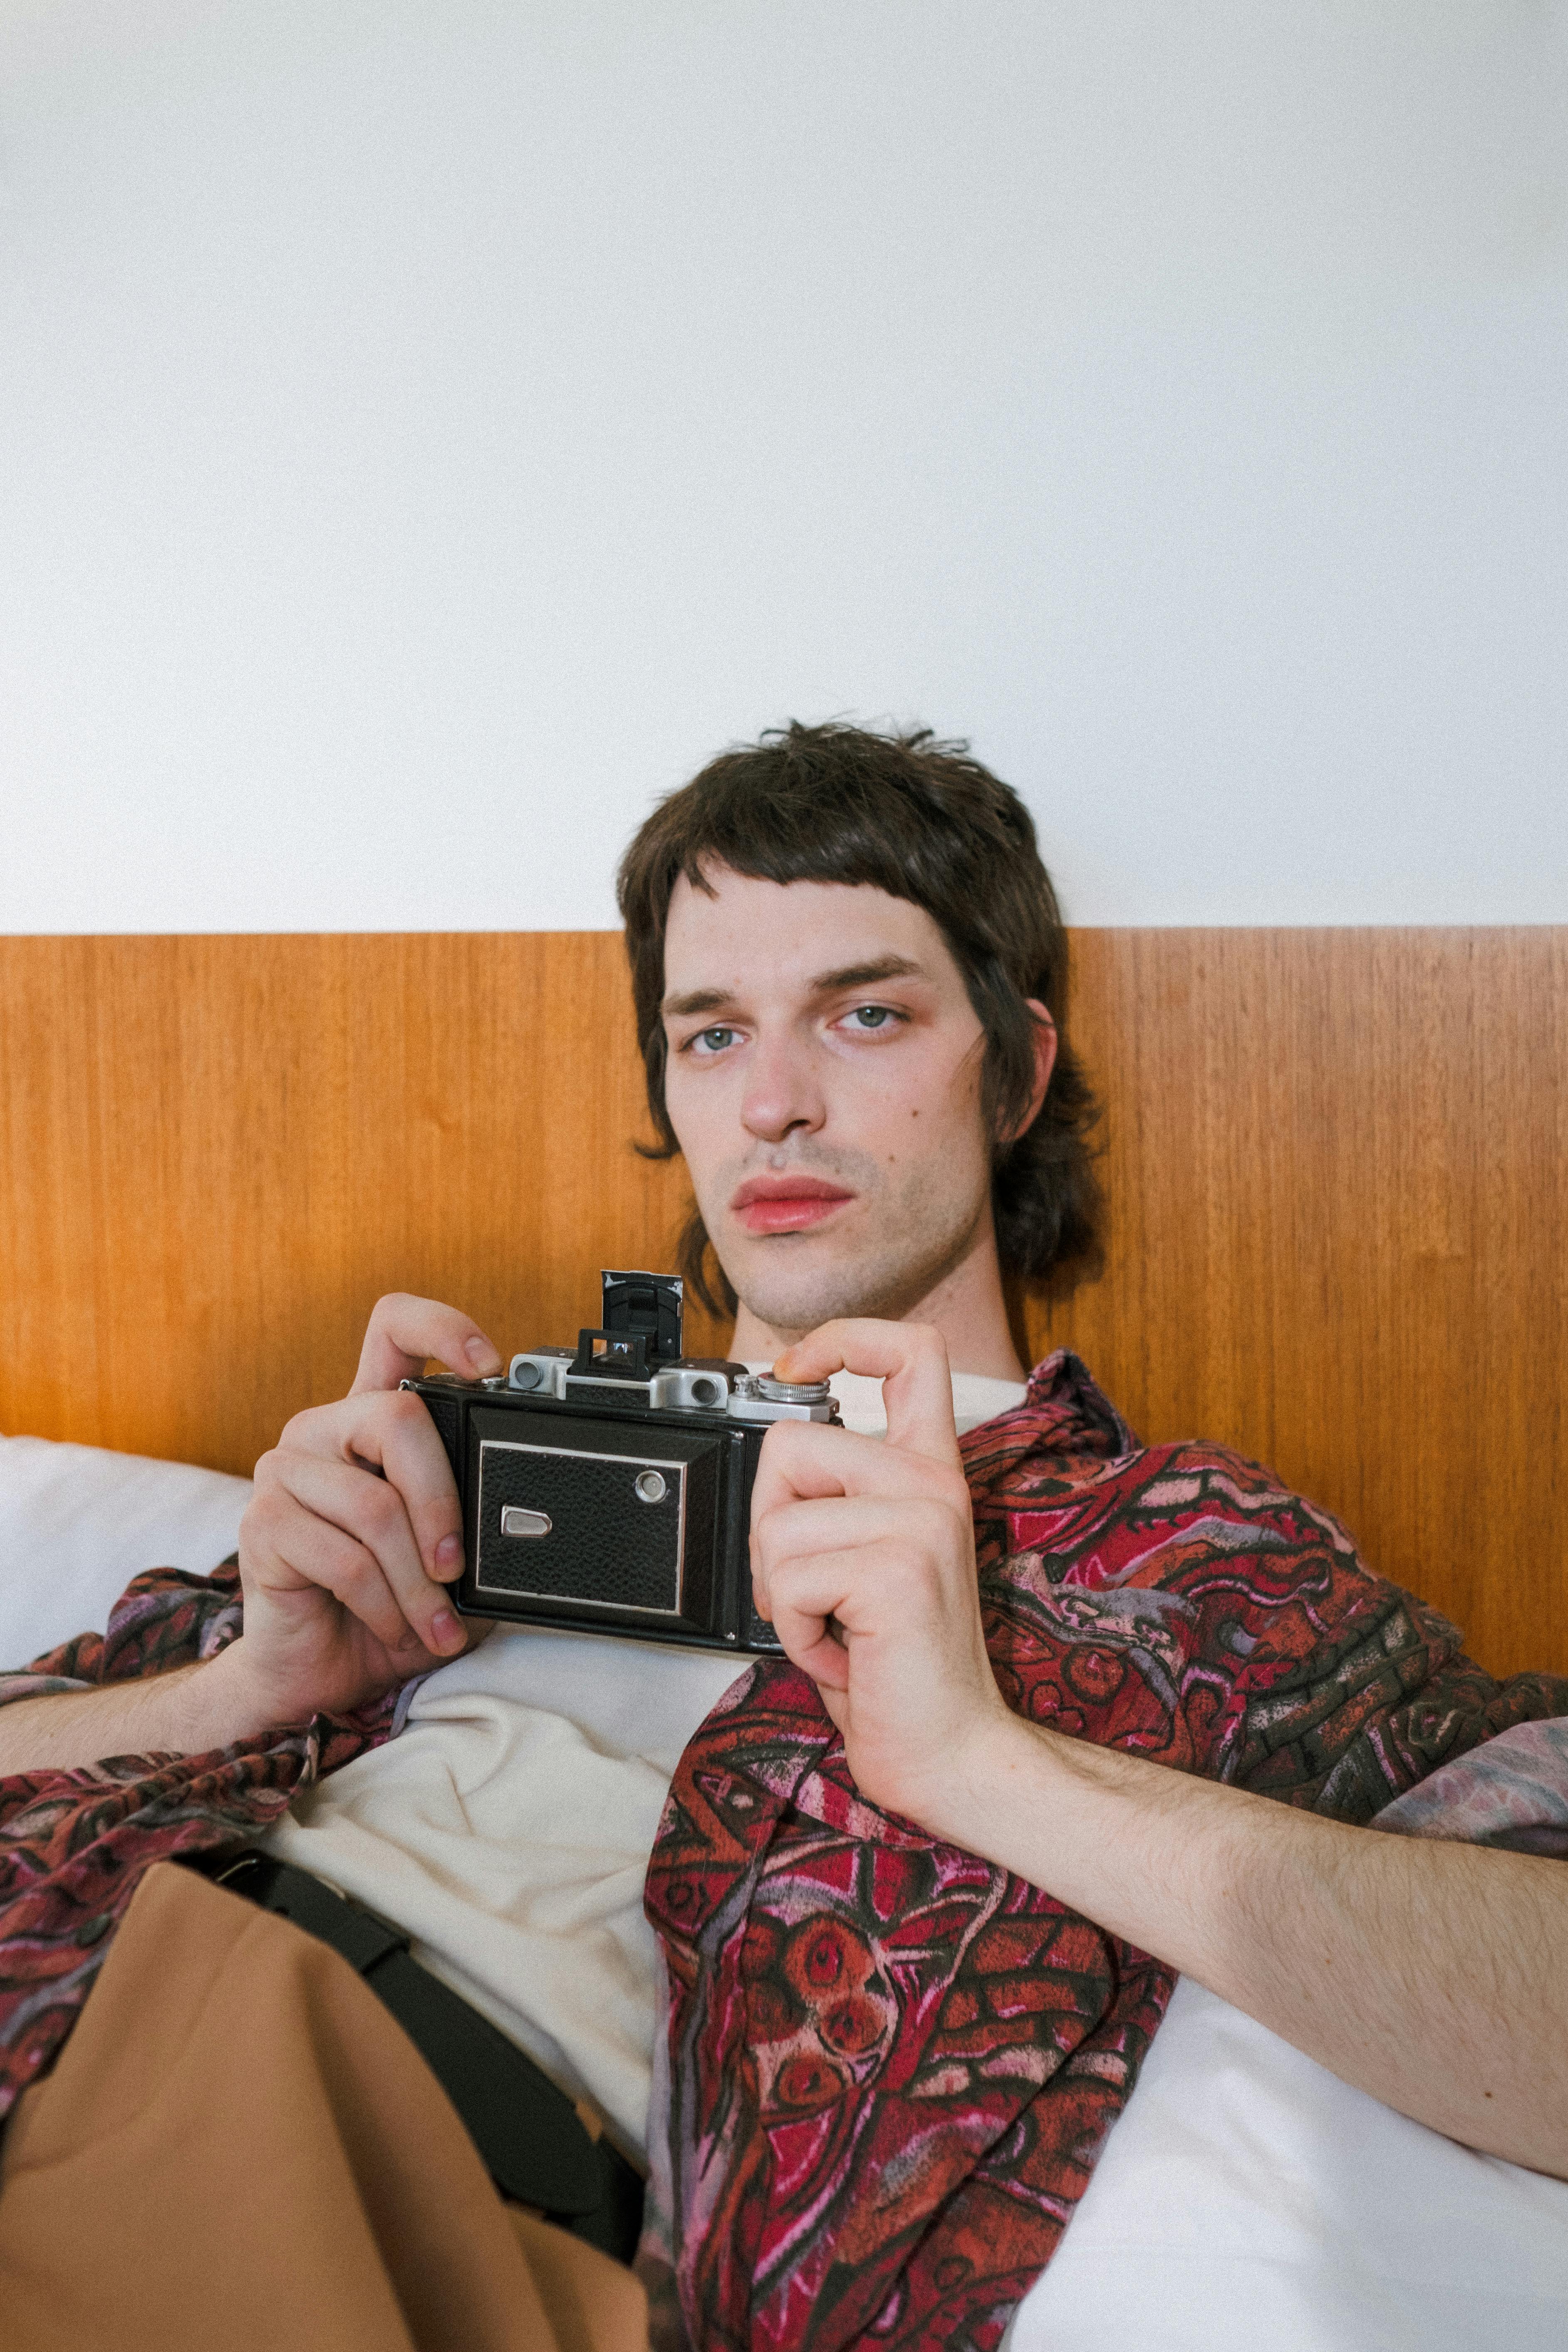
point(921, 820)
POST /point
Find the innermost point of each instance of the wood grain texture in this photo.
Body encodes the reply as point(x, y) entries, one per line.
point(1338, 1170)
point(1335, 1161)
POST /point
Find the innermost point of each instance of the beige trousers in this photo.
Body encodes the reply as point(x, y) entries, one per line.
point(240, 2148)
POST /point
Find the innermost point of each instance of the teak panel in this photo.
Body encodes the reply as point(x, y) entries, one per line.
point(1334, 1159)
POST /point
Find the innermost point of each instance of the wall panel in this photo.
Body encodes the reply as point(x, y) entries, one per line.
point(1335, 1162)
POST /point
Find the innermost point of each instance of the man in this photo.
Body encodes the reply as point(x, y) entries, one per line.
point(845, 956)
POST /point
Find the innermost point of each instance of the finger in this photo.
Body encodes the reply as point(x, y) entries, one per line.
point(390, 1431)
point(910, 1361)
point(842, 1524)
point(292, 1550)
point(404, 1333)
point(371, 1513)
point(822, 1608)
point(806, 1633)
point(803, 1458)
point(887, 1585)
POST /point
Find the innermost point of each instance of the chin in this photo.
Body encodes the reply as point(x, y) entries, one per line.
point(792, 1291)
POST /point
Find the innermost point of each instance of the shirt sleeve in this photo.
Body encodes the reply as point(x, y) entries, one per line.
point(1511, 1792)
point(164, 1618)
point(1384, 1702)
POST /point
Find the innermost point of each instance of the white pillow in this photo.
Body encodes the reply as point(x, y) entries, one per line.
point(77, 1523)
point(1248, 2196)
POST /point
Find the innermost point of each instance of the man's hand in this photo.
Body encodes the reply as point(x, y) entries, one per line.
point(1426, 1973)
point(863, 1556)
point(353, 1533)
point(345, 1553)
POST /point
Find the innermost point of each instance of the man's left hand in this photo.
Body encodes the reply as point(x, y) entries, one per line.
point(863, 1556)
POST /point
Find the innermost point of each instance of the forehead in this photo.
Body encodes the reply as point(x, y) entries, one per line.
point(752, 934)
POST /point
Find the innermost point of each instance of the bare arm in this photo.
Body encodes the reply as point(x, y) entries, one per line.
point(1428, 1974)
point(181, 1714)
point(345, 1553)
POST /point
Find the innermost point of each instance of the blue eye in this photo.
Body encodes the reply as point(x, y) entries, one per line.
point(871, 1016)
point(714, 1040)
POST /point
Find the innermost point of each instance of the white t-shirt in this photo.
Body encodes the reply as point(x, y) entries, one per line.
point(509, 1827)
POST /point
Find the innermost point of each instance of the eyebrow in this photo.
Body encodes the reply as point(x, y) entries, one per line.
point(826, 983)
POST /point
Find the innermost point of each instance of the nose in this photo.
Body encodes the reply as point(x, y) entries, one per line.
point(782, 1091)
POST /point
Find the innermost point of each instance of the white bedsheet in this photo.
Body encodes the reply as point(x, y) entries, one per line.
point(1247, 2198)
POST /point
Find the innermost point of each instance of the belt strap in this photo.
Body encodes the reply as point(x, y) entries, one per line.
point(533, 2142)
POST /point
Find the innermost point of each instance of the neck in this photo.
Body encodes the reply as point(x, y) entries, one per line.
point(966, 1306)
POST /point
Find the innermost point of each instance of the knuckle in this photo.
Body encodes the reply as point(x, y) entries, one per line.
point(354, 1574)
point(264, 1512)
point(380, 1506)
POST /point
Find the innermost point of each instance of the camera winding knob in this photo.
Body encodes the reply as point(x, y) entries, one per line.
point(792, 1391)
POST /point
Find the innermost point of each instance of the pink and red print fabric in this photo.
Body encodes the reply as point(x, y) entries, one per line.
point(889, 2067)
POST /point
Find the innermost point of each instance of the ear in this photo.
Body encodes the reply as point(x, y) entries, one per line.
point(1045, 1063)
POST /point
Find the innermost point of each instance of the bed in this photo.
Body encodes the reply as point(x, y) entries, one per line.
point(1335, 1162)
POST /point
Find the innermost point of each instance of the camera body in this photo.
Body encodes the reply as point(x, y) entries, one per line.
point(609, 1488)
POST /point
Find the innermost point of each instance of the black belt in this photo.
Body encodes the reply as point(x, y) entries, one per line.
point(533, 2142)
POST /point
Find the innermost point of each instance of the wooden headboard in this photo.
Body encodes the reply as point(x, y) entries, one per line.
point(1336, 1162)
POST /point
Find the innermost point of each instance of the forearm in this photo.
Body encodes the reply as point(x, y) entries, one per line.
point(186, 1713)
point(1426, 1973)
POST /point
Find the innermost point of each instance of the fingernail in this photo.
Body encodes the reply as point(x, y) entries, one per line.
point(481, 1354)
point(449, 1554)
point(445, 1630)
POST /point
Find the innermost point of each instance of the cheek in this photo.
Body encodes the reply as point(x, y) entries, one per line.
point(701, 1116)
point(936, 1112)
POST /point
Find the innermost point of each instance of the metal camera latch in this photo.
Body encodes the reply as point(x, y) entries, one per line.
point(514, 1521)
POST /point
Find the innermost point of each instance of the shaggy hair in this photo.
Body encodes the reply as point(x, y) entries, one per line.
point(922, 821)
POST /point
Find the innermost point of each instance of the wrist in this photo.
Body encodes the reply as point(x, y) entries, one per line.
point(1060, 1812)
point(1149, 1854)
point(993, 1781)
point(222, 1703)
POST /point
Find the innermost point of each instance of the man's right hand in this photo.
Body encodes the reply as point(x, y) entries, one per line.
point(353, 1533)
point(345, 1553)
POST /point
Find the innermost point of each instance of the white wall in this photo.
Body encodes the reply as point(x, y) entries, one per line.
point(430, 427)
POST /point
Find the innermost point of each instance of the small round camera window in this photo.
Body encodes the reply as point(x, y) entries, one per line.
point(650, 1487)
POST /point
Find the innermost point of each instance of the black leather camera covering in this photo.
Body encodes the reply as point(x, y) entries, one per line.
point(608, 1563)
point(606, 1547)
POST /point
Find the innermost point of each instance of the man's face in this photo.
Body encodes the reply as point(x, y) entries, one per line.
point(824, 1080)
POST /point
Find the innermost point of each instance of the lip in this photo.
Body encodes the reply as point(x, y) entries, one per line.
point(786, 1205)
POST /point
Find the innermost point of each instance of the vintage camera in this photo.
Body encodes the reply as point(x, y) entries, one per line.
point(610, 1489)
